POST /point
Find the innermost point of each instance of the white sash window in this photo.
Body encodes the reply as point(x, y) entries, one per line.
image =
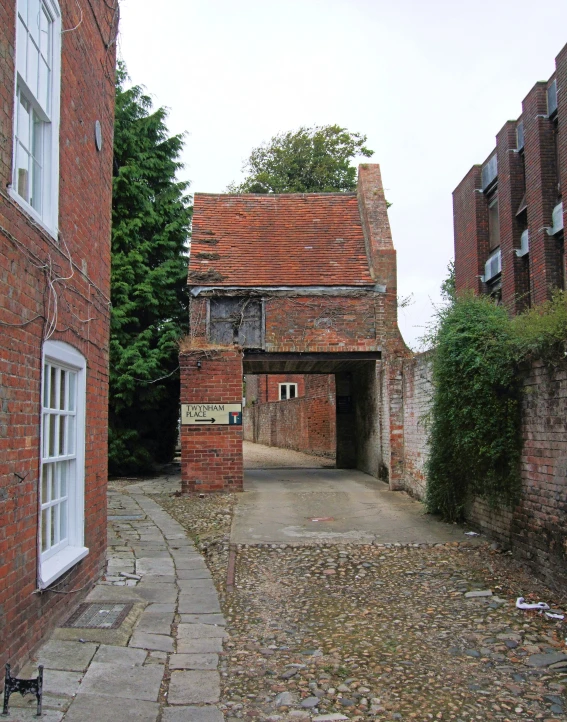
point(62, 461)
point(35, 181)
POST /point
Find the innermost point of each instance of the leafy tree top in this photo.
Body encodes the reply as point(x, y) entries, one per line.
point(308, 160)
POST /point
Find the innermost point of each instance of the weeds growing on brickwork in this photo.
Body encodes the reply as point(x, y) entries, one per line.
point(475, 422)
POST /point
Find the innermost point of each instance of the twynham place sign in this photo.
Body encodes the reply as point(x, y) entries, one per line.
point(212, 414)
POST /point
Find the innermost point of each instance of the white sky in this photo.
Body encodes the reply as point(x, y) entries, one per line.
point(430, 82)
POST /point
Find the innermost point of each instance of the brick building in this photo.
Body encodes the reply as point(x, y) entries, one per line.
point(508, 212)
point(292, 411)
point(56, 132)
point(293, 284)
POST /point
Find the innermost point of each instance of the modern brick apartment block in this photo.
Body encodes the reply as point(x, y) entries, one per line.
point(293, 284)
point(509, 214)
point(56, 132)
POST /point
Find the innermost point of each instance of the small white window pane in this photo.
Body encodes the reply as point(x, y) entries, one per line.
point(52, 432)
point(35, 200)
point(45, 516)
point(33, 19)
point(53, 525)
point(37, 138)
point(43, 88)
point(72, 390)
point(53, 483)
point(53, 388)
point(71, 435)
point(292, 391)
point(62, 393)
point(21, 48)
point(22, 172)
point(24, 122)
point(45, 483)
point(62, 436)
point(63, 479)
point(63, 521)
point(33, 67)
point(44, 32)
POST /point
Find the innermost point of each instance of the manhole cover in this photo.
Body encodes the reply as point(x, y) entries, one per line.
point(322, 518)
point(103, 615)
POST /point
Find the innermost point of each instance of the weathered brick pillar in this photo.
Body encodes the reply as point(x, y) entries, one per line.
point(211, 454)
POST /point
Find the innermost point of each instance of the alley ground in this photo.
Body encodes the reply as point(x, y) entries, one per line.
point(354, 629)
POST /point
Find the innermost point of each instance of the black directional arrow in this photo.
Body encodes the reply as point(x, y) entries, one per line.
point(207, 421)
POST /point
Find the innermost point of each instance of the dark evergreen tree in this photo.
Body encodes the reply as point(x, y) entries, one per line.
point(151, 216)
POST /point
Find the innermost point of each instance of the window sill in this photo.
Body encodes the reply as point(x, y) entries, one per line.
point(32, 213)
point(59, 563)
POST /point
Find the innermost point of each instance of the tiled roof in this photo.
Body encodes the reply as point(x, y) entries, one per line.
point(312, 239)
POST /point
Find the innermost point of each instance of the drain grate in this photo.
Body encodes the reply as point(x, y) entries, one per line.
point(103, 615)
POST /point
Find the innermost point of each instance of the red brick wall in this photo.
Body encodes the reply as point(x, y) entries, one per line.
point(536, 530)
point(417, 388)
point(265, 387)
point(305, 424)
point(29, 260)
point(211, 456)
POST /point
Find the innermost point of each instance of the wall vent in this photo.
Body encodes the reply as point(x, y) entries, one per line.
point(520, 135)
point(524, 244)
point(552, 98)
point(493, 266)
point(556, 220)
point(489, 172)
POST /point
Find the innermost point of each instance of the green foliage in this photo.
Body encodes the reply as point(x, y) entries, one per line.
point(150, 228)
point(541, 332)
point(309, 160)
point(448, 287)
point(475, 422)
point(475, 418)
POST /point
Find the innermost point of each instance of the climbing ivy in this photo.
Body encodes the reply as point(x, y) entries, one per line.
point(475, 422)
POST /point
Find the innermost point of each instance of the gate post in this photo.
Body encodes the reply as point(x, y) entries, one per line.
point(211, 444)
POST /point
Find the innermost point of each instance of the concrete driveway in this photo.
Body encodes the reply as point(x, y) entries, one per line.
point(313, 505)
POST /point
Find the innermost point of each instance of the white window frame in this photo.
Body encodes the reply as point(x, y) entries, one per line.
point(52, 564)
point(48, 217)
point(288, 386)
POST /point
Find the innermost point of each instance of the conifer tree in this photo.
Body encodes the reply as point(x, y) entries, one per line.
point(151, 216)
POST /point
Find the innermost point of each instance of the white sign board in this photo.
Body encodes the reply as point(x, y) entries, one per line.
point(212, 414)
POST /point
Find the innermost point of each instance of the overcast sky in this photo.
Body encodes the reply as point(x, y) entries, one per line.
point(430, 82)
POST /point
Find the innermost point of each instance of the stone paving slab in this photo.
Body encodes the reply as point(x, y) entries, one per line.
point(189, 605)
point(201, 582)
point(116, 680)
point(61, 683)
point(145, 640)
point(200, 631)
point(155, 622)
point(66, 656)
point(88, 707)
point(194, 661)
point(114, 594)
point(199, 646)
point(127, 656)
point(202, 619)
point(157, 592)
point(194, 573)
point(194, 687)
point(192, 714)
